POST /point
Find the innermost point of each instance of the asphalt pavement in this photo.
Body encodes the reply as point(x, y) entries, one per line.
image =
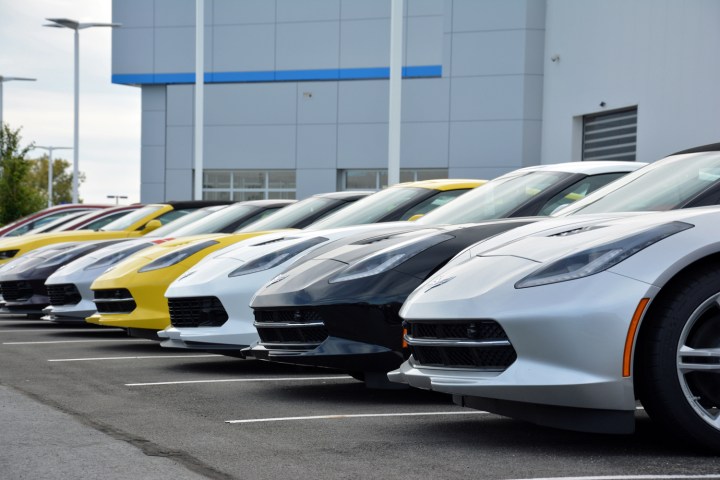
point(94, 403)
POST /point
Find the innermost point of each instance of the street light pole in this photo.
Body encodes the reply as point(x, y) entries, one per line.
point(50, 169)
point(76, 26)
point(117, 197)
point(9, 79)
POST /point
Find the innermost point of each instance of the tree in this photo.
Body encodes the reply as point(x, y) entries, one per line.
point(62, 179)
point(17, 197)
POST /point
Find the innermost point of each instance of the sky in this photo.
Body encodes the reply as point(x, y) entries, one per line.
point(109, 152)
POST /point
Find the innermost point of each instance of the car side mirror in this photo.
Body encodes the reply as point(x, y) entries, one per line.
point(151, 225)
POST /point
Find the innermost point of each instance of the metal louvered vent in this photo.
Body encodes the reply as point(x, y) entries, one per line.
point(610, 136)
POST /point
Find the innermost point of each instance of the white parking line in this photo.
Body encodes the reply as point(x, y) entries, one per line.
point(625, 477)
point(78, 341)
point(360, 415)
point(271, 379)
point(130, 358)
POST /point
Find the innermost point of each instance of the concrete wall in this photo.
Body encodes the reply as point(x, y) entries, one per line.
point(302, 84)
point(658, 55)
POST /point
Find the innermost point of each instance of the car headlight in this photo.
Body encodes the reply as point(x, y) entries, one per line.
point(384, 260)
point(597, 259)
point(275, 258)
point(5, 254)
point(177, 256)
point(116, 257)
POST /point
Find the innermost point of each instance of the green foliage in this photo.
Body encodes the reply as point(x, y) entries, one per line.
point(62, 179)
point(17, 197)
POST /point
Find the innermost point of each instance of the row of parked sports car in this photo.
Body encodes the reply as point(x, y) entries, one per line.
point(567, 295)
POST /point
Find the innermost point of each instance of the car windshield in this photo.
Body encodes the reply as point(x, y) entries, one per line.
point(371, 209)
point(219, 220)
point(185, 221)
point(666, 184)
point(291, 215)
point(123, 223)
point(495, 199)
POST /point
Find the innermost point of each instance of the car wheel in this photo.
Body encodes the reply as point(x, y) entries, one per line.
point(678, 367)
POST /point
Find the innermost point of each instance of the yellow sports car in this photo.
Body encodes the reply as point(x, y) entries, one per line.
point(131, 295)
point(134, 224)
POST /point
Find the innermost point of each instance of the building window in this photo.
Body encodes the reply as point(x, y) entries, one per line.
point(377, 179)
point(241, 185)
point(610, 136)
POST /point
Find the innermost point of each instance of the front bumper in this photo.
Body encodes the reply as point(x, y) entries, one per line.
point(569, 339)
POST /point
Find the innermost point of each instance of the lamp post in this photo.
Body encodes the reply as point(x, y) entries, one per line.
point(76, 26)
point(50, 151)
point(117, 197)
point(9, 79)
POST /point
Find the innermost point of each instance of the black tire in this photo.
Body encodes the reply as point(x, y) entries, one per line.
point(679, 387)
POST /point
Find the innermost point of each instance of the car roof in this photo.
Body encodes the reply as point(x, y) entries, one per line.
point(710, 147)
point(346, 195)
point(267, 203)
point(180, 204)
point(444, 183)
point(590, 168)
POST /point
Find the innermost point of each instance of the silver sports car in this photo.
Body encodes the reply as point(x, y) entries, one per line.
point(569, 322)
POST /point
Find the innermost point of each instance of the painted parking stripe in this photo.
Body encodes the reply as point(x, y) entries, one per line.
point(360, 415)
point(266, 379)
point(78, 341)
point(625, 477)
point(86, 359)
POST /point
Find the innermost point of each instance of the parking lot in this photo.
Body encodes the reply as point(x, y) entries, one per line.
point(89, 402)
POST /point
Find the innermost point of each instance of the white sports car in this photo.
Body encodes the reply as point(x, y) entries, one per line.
point(567, 325)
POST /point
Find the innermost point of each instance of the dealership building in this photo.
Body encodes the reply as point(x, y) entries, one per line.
point(296, 92)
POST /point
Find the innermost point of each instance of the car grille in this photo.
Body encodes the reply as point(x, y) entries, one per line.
point(290, 329)
point(115, 300)
point(472, 344)
point(63, 294)
point(16, 291)
point(197, 312)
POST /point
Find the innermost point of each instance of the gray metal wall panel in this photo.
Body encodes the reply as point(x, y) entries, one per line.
point(536, 14)
point(362, 145)
point(357, 9)
point(133, 13)
point(152, 132)
point(312, 181)
point(152, 168)
point(180, 105)
point(250, 104)
point(425, 7)
point(153, 98)
point(179, 185)
point(424, 41)
point(426, 100)
point(152, 192)
point(307, 10)
point(316, 146)
point(532, 95)
point(179, 147)
point(257, 147)
point(238, 12)
point(532, 143)
point(177, 13)
point(488, 53)
point(307, 45)
point(363, 102)
point(244, 48)
point(489, 144)
point(317, 102)
point(132, 50)
point(365, 43)
point(175, 49)
point(424, 145)
point(535, 52)
point(487, 98)
point(478, 15)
